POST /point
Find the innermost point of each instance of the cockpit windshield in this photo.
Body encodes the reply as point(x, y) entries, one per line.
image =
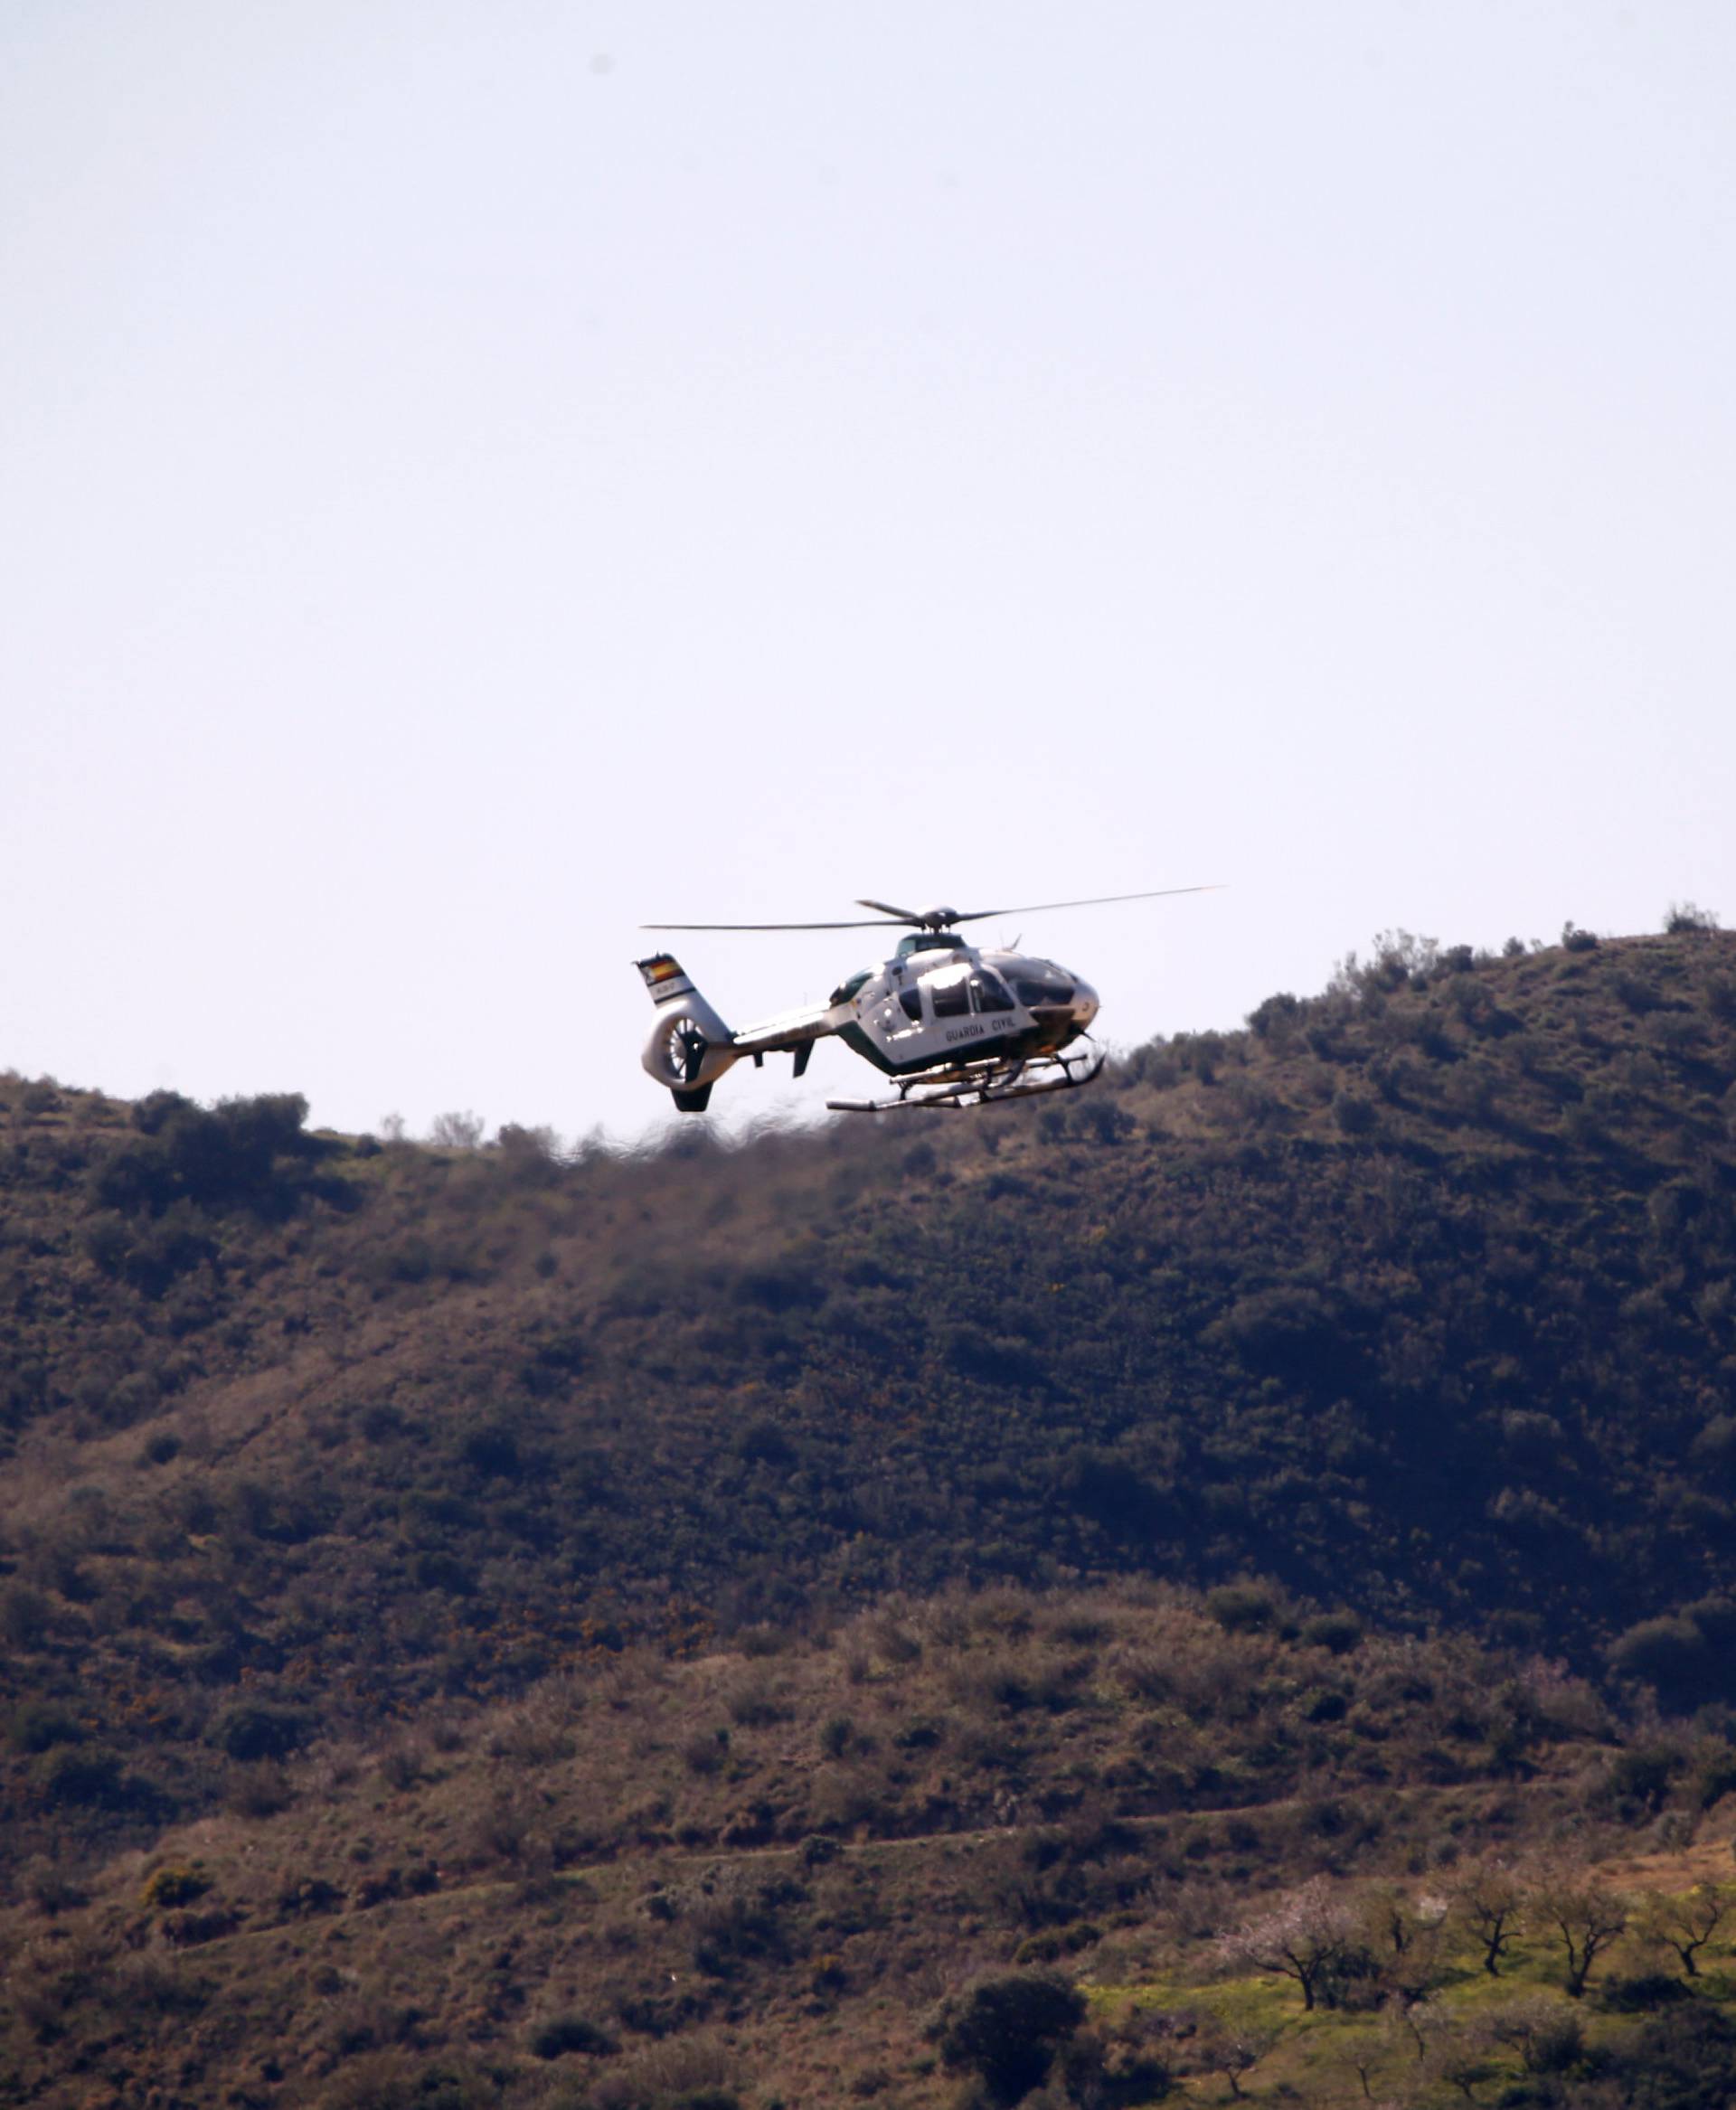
point(1041, 982)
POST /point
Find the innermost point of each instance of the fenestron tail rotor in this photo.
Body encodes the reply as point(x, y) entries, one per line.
point(686, 1039)
point(679, 1045)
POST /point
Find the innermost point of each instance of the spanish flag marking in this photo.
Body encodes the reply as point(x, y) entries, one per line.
point(660, 973)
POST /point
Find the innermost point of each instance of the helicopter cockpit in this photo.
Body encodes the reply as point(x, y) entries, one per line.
point(937, 997)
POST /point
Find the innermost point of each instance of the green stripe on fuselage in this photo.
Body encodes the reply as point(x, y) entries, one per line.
point(972, 1051)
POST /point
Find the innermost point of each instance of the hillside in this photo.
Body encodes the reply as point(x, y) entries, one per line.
point(945, 1854)
point(1414, 1301)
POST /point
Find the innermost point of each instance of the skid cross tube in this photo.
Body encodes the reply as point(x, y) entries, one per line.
point(984, 1084)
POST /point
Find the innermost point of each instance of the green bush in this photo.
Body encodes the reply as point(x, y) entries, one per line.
point(1007, 2029)
point(1052, 1943)
point(1668, 1652)
point(561, 2034)
point(1641, 1775)
point(1642, 1994)
point(1339, 1632)
point(251, 1730)
point(24, 1615)
point(37, 1725)
point(85, 1776)
point(1683, 917)
point(1685, 2059)
point(1276, 1016)
point(1240, 1606)
point(1111, 2074)
point(243, 1153)
point(171, 1886)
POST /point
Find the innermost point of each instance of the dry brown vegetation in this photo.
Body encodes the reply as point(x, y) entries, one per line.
point(1042, 1543)
point(775, 1868)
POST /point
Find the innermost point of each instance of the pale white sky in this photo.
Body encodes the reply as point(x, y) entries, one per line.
point(476, 477)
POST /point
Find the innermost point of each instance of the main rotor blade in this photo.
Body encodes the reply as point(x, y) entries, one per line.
point(908, 918)
point(1091, 901)
point(862, 923)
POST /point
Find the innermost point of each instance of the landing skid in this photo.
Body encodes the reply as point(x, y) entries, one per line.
point(982, 1084)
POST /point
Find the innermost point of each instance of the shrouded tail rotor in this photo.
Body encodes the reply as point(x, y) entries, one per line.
point(690, 1046)
point(680, 1047)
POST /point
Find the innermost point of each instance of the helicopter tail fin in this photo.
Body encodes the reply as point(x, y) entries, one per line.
point(668, 982)
point(690, 1046)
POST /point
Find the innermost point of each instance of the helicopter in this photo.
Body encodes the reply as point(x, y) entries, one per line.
point(951, 1024)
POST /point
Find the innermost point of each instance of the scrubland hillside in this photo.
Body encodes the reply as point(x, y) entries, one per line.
point(874, 1613)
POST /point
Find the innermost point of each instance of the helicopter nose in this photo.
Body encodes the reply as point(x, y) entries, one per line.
point(1084, 1003)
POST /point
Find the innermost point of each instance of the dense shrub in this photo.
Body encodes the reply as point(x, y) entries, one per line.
point(1642, 1994)
point(1668, 1652)
point(25, 1616)
point(1006, 2029)
point(173, 1885)
point(37, 1725)
point(252, 1730)
point(86, 1776)
point(563, 2034)
point(253, 1152)
point(1339, 1632)
point(1685, 2060)
point(1241, 1606)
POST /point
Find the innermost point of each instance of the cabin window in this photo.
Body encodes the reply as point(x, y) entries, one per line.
point(989, 992)
point(911, 1001)
point(951, 997)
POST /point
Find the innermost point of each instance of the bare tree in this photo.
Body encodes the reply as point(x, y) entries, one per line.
point(1404, 1931)
point(1362, 2058)
point(1547, 2036)
point(1687, 1922)
point(1488, 1900)
point(1394, 2040)
point(1419, 2022)
point(456, 1131)
point(1235, 2050)
point(1461, 2061)
point(1587, 1917)
point(1301, 1938)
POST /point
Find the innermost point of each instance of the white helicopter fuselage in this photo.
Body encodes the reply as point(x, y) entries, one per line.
point(951, 1023)
point(938, 1007)
point(939, 1001)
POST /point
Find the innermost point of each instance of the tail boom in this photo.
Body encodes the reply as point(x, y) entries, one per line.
point(690, 1046)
